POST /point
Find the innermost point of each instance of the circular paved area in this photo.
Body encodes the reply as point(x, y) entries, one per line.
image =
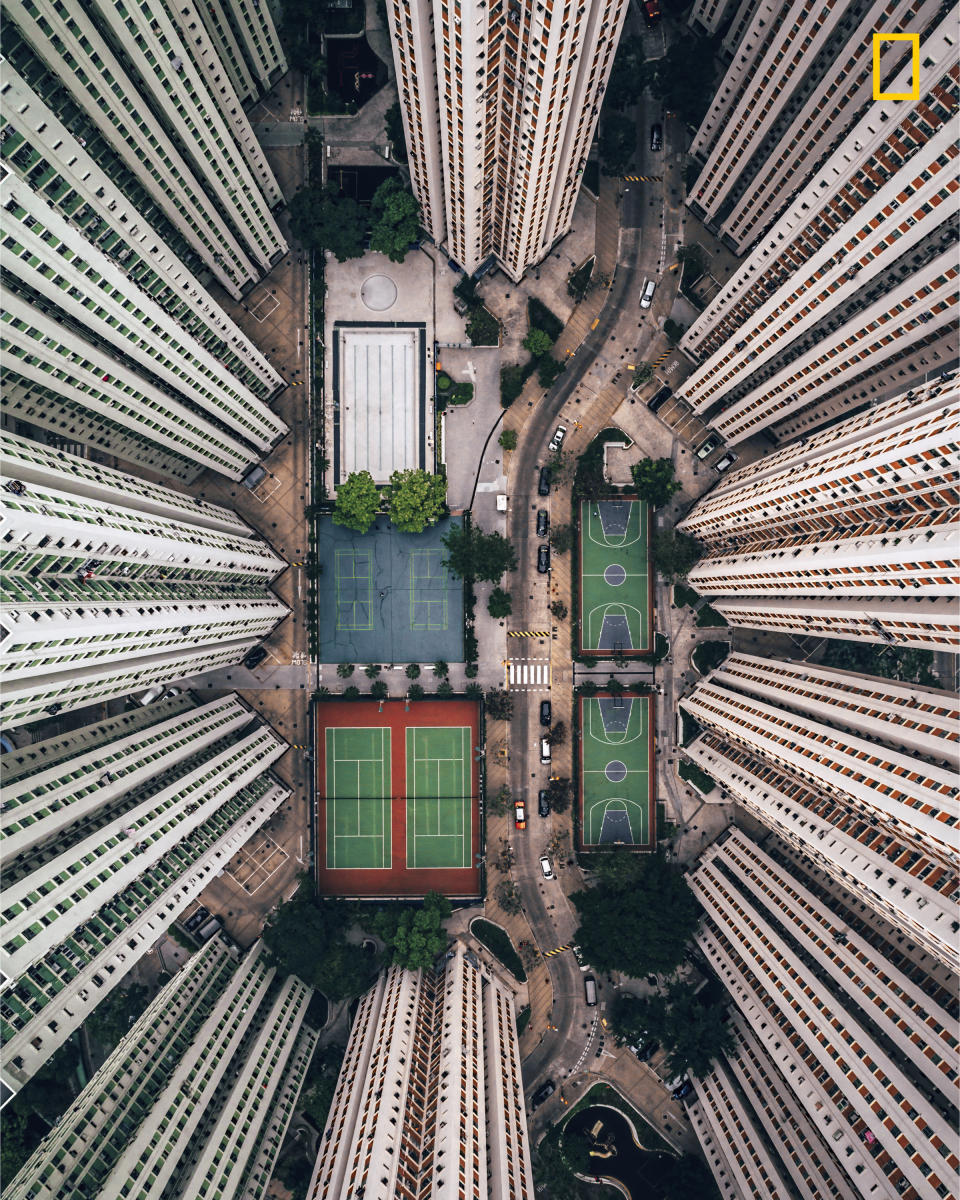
point(378, 293)
point(615, 771)
point(614, 575)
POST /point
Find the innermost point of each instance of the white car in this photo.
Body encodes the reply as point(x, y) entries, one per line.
point(545, 867)
point(557, 440)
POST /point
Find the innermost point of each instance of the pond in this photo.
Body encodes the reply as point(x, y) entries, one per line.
point(646, 1174)
point(354, 72)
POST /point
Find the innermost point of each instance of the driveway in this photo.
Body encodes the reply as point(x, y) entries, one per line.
point(467, 426)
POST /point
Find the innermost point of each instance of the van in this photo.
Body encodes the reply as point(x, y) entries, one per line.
point(590, 990)
point(153, 694)
point(646, 296)
point(544, 750)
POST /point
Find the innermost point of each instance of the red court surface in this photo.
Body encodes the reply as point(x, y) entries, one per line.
point(395, 878)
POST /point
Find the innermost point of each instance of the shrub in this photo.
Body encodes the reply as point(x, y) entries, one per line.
point(708, 616)
point(379, 690)
point(351, 692)
point(692, 774)
point(345, 670)
point(471, 670)
point(444, 382)
point(445, 688)
point(508, 439)
point(512, 380)
point(498, 942)
point(473, 690)
point(415, 691)
point(462, 393)
point(483, 328)
point(500, 604)
point(413, 671)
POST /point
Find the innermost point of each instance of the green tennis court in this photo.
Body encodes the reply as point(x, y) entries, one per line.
point(614, 577)
point(358, 797)
point(439, 774)
point(616, 784)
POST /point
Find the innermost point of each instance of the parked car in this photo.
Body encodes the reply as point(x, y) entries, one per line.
point(196, 920)
point(543, 523)
point(725, 463)
point(647, 1051)
point(545, 868)
point(543, 803)
point(659, 399)
point(154, 693)
point(590, 990)
point(656, 137)
point(646, 296)
point(546, 712)
point(707, 448)
point(519, 814)
point(557, 440)
point(543, 486)
point(684, 1090)
point(253, 658)
point(544, 1092)
point(544, 750)
point(543, 559)
point(254, 476)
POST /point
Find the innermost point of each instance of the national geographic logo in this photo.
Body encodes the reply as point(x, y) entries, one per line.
point(914, 39)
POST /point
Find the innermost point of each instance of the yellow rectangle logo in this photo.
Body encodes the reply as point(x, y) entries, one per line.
point(914, 38)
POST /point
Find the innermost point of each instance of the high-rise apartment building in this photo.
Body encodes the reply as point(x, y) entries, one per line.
point(103, 847)
point(854, 284)
point(111, 583)
point(849, 533)
point(195, 1100)
point(844, 1078)
point(858, 772)
point(430, 1096)
point(500, 101)
point(801, 76)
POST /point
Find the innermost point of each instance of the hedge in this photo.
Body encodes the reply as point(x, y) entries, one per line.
point(497, 941)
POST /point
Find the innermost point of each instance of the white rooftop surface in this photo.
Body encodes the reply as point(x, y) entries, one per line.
point(379, 409)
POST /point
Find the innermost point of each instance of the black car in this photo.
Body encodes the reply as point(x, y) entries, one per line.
point(546, 712)
point(543, 559)
point(647, 1051)
point(255, 657)
point(543, 487)
point(542, 1093)
point(543, 804)
point(656, 137)
point(196, 920)
point(543, 523)
point(659, 399)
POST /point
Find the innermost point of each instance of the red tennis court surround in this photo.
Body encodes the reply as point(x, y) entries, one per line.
point(396, 878)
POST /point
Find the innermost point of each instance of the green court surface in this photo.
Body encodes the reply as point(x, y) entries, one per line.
point(614, 576)
point(358, 797)
point(615, 770)
point(439, 802)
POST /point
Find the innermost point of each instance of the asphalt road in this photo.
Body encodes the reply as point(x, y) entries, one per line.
point(650, 226)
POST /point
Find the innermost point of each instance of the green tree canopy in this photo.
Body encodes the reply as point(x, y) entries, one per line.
point(909, 663)
point(549, 370)
point(323, 220)
point(674, 553)
point(500, 604)
point(683, 78)
point(358, 501)
point(396, 220)
point(499, 704)
point(538, 342)
point(473, 554)
point(618, 143)
point(393, 121)
point(508, 439)
point(695, 262)
point(416, 499)
point(551, 1173)
point(692, 1030)
point(306, 937)
point(415, 936)
point(630, 74)
point(617, 932)
point(114, 1015)
point(643, 372)
point(654, 480)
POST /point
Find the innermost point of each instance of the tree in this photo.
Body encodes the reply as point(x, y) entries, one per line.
point(616, 931)
point(630, 74)
point(618, 143)
point(673, 330)
point(906, 663)
point(674, 553)
point(508, 439)
point(474, 554)
point(655, 481)
point(557, 734)
point(499, 705)
point(683, 78)
point(416, 499)
point(306, 937)
point(393, 122)
point(351, 692)
point(558, 610)
point(561, 538)
point(358, 502)
point(695, 262)
point(692, 1030)
point(322, 220)
point(512, 380)
point(643, 373)
point(499, 604)
point(396, 220)
point(501, 802)
point(413, 671)
point(558, 794)
point(551, 1174)
point(576, 1152)
point(414, 936)
point(483, 328)
point(371, 670)
point(508, 897)
point(379, 689)
point(321, 1083)
point(441, 668)
point(344, 670)
point(538, 342)
point(415, 691)
point(549, 370)
point(112, 1018)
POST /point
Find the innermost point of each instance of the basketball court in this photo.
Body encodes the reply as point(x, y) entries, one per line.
point(386, 596)
point(616, 774)
point(615, 579)
point(398, 797)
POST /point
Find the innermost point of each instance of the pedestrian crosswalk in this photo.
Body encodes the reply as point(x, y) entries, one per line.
point(527, 674)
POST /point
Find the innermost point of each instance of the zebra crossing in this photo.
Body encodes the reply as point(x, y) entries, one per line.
point(527, 674)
